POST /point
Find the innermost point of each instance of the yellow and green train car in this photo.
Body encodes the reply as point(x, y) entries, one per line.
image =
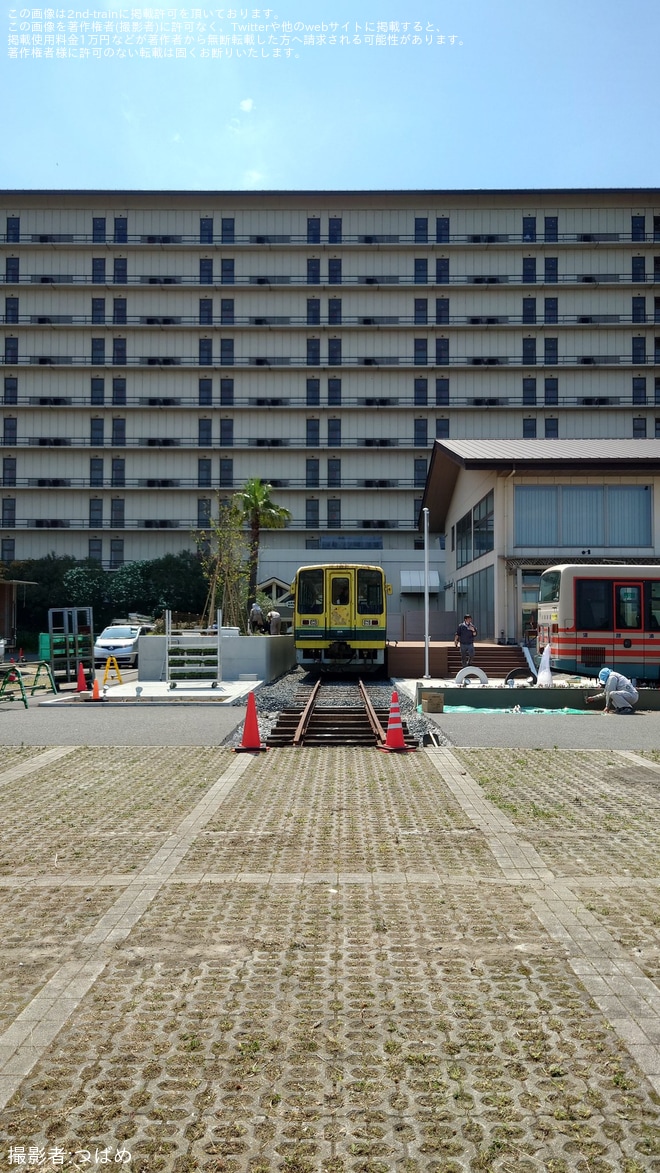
point(340, 617)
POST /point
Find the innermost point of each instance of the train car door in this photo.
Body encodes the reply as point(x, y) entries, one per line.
point(629, 627)
point(340, 602)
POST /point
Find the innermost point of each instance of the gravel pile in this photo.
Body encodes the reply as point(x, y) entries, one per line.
point(285, 693)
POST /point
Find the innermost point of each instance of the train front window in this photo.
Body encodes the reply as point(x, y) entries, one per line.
point(370, 592)
point(628, 598)
point(655, 605)
point(340, 592)
point(310, 592)
point(593, 604)
point(549, 586)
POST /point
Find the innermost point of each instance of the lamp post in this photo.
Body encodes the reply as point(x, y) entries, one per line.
point(427, 675)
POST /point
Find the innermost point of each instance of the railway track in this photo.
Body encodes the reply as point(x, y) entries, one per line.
point(327, 715)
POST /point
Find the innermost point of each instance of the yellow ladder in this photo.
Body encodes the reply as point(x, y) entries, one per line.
point(111, 665)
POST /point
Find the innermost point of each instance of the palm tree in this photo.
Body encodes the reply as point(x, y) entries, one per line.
point(260, 512)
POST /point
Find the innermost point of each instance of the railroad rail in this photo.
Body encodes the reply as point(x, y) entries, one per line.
point(317, 721)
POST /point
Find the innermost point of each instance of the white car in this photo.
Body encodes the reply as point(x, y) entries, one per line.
point(120, 641)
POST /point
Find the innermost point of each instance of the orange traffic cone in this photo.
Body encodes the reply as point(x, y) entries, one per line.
point(251, 742)
point(394, 742)
point(96, 696)
point(82, 683)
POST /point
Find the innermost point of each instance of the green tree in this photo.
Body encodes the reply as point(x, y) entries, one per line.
point(129, 589)
point(34, 602)
point(222, 555)
point(259, 512)
point(87, 585)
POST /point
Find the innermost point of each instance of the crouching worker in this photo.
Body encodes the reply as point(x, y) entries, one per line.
point(619, 692)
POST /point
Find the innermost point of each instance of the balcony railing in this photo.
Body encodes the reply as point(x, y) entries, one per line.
point(374, 239)
point(348, 279)
point(414, 362)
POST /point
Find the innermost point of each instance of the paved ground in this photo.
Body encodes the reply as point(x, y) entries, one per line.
point(327, 961)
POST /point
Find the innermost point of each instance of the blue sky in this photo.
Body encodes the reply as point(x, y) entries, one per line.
point(531, 94)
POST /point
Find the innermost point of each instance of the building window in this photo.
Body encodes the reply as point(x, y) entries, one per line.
point(551, 310)
point(550, 229)
point(334, 433)
point(638, 227)
point(335, 230)
point(312, 465)
point(334, 513)
point(11, 389)
point(334, 392)
point(529, 228)
point(226, 433)
point(11, 350)
point(639, 428)
point(204, 433)
point(119, 352)
point(119, 311)
point(119, 391)
point(226, 352)
point(96, 471)
point(313, 230)
point(421, 392)
point(96, 431)
point(334, 472)
point(226, 392)
point(13, 233)
point(206, 311)
point(551, 392)
point(11, 269)
point(529, 270)
point(442, 392)
point(226, 311)
point(226, 472)
point(206, 230)
point(639, 309)
point(421, 229)
point(529, 429)
point(313, 392)
point(96, 513)
point(205, 392)
point(442, 229)
point(120, 271)
point(9, 471)
point(529, 310)
point(98, 351)
point(8, 512)
point(638, 269)
point(118, 472)
point(442, 311)
point(420, 433)
point(227, 230)
point(656, 309)
point(98, 274)
point(311, 513)
point(334, 352)
point(551, 351)
point(529, 351)
point(334, 272)
point(313, 311)
point(442, 428)
point(420, 353)
point(97, 392)
point(121, 229)
point(8, 550)
point(205, 352)
point(116, 553)
point(551, 429)
point(203, 512)
point(95, 549)
point(117, 513)
point(420, 471)
point(334, 311)
point(11, 310)
point(421, 315)
point(529, 392)
point(421, 271)
point(10, 430)
point(551, 274)
point(206, 272)
point(639, 350)
point(204, 472)
point(442, 271)
point(313, 352)
point(313, 271)
point(639, 389)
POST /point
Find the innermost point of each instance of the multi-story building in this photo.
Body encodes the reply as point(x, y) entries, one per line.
point(159, 346)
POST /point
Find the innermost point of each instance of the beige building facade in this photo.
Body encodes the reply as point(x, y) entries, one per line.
point(161, 346)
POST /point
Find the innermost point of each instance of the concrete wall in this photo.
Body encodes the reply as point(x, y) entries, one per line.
point(265, 656)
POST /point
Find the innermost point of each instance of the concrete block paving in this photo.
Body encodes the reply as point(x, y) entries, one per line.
point(331, 961)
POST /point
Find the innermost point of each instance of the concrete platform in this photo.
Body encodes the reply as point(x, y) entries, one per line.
point(139, 692)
